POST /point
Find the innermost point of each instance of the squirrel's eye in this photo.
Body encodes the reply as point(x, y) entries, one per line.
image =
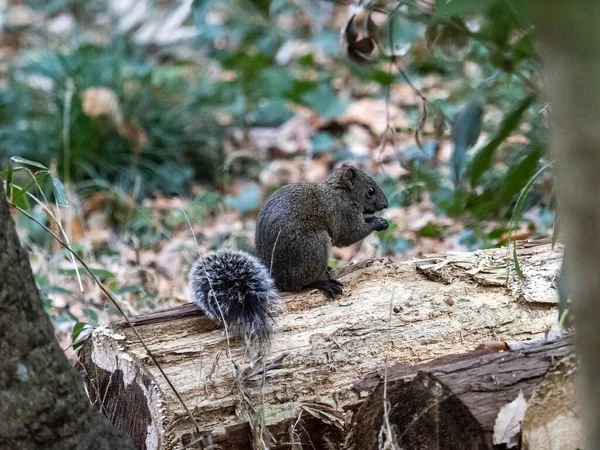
point(371, 192)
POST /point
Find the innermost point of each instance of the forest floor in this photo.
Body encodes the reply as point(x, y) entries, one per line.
point(142, 250)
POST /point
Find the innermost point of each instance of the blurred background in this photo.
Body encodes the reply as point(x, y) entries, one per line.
point(127, 124)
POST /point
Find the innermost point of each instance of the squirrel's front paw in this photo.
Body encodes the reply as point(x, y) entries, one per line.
point(379, 224)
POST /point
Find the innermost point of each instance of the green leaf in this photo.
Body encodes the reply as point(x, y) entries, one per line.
point(18, 159)
point(322, 142)
point(431, 231)
point(452, 8)
point(523, 195)
point(465, 132)
point(55, 290)
point(9, 182)
point(399, 33)
point(497, 232)
point(100, 273)
point(4, 173)
point(383, 78)
point(325, 101)
point(263, 6)
point(81, 332)
point(271, 113)
point(519, 175)
point(274, 83)
point(59, 192)
point(77, 328)
point(518, 210)
point(524, 48)
point(483, 159)
point(467, 124)
point(20, 199)
point(516, 261)
point(246, 201)
point(128, 288)
point(93, 315)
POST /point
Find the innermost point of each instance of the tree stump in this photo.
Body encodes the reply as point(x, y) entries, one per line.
point(389, 314)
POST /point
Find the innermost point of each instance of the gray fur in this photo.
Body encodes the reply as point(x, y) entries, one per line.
point(234, 287)
point(295, 230)
point(297, 225)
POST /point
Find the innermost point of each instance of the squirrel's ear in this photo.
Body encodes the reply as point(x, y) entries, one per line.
point(348, 176)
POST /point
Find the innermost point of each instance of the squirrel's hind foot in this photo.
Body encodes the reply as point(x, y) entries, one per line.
point(329, 286)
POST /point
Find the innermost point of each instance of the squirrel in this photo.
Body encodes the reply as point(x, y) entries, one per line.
point(295, 229)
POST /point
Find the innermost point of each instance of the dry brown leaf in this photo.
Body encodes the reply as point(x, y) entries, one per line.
point(279, 173)
point(494, 346)
point(393, 169)
point(22, 16)
point(292, 137)
point(316, 169)
point(135, 134)
point(508, 422)
point(516, 139)
point(404, 95)
point(360, 50)
point(358, 140)
point(372, 113)
point(101, 101)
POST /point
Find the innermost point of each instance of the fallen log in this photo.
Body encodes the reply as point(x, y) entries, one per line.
point(453, 403)
point(303, 393)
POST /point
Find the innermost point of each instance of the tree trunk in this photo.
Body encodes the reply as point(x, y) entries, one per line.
point(42, 398)
point(390, 314)
point(451, 404)
point(569, 34)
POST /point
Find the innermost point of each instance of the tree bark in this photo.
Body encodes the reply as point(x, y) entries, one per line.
point(452, 403)
point(389, 314)
point(43, 403)
point(571, 57)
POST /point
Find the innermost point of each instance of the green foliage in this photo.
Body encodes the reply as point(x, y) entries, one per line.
point(483, 160)
point(242, 71)
point(147, 95)
point(465, 132)
point(499, 40)
point(172, 105)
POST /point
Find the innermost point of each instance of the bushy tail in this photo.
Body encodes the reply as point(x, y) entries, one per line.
point(236, 288)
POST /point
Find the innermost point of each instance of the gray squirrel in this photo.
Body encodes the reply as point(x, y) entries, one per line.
point(295, 229)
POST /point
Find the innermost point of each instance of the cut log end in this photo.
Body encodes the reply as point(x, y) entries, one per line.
point(123, 390)
point(451, 405)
